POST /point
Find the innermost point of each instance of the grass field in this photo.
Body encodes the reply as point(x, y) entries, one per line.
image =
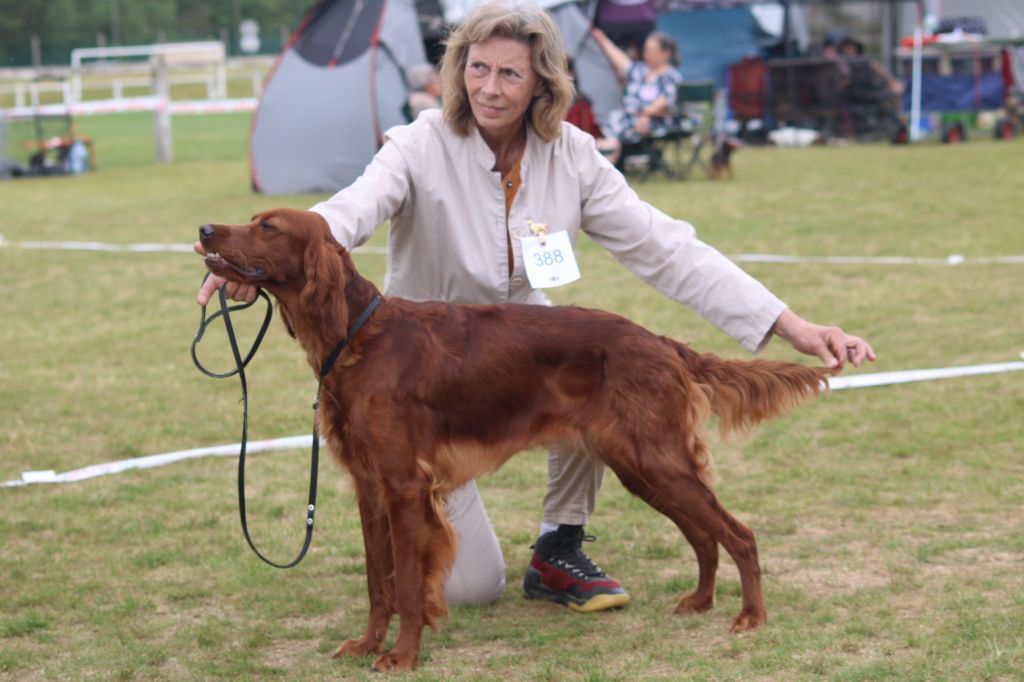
point(889, 519)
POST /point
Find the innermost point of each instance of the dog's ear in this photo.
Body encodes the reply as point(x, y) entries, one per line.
point(324, 292)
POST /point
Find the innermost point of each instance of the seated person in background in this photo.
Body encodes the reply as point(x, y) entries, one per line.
point(842, 48)
point(426, 89)
point(865, 94)
point(582, 116)
point(650, 93)
point(851, 48)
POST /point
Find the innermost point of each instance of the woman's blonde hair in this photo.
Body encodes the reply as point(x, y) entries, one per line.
point(528, 24)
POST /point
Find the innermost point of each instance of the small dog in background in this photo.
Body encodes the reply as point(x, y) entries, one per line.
point(721, 159)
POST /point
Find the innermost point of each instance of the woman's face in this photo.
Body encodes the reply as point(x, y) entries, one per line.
point(500, 83)
point(654, 56)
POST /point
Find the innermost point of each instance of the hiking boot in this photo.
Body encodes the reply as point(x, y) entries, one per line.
point(561, 572)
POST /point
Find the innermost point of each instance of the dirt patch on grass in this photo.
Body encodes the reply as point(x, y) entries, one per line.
point(828, 578)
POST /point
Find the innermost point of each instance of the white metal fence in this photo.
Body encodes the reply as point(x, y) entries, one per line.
point(22, 88)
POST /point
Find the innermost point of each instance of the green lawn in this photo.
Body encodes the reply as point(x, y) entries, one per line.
point(889, 519)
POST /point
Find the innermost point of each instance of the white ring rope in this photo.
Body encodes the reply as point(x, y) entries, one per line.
point(952, 259)
point(128, 248)
point(107, 468)
point(837, 383)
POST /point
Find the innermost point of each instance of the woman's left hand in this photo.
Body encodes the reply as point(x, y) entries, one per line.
point(831, 344)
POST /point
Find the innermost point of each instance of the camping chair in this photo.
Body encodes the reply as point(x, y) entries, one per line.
point(653, 152)
point(678, 150)
point(695, 101)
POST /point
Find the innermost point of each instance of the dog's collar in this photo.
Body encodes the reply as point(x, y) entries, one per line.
point(325, 369)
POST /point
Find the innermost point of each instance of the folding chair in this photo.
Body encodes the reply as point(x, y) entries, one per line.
point(653, 152)
point(678, 150)
point(695, 101)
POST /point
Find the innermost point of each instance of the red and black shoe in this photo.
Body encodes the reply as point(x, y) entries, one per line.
point(561, 572)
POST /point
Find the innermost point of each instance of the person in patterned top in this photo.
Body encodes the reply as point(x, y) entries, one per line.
point(650, 91)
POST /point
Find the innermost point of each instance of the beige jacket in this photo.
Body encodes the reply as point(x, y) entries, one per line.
point(448, 229)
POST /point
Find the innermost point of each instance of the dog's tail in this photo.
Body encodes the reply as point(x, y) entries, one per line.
point(745, 392)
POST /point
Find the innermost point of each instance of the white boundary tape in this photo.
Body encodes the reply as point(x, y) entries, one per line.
point(97, 246)
point(910, 376)
point(107, 468)
point(129, 248)
point(953, 259)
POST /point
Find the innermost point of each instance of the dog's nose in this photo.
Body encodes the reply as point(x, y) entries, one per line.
point(206, 231)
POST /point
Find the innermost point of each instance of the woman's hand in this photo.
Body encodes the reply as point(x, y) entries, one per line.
point(831, 344)
point(235, 291)
point(643, 125)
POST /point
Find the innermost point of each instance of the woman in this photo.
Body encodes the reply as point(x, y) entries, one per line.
point(648, 105)
point(463, 185)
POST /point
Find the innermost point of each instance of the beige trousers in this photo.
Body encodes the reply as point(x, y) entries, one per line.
point(478, 573)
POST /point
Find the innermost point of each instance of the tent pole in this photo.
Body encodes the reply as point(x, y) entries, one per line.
point(915, 88)
point(786, 27)
point(890, 34)
point(787, 53)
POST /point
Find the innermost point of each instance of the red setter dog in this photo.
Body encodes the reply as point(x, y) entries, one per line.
point(428, 396)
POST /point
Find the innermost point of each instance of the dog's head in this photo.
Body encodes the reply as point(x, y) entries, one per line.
point(288, 252)
point(727, 145)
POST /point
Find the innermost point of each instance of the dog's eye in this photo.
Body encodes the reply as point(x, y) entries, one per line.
point(267, 227)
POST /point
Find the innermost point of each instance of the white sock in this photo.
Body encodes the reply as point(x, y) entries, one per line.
point(547, 527)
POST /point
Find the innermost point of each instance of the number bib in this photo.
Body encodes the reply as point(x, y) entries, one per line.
point(551, 264)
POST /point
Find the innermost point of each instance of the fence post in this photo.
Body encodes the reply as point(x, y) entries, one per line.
point(221, 72)
point(162, 115)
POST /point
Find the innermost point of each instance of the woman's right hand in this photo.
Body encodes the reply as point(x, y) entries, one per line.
point(236, 291)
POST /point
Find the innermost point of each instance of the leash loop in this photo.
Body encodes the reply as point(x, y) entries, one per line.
point(225, 312)
point(240, 365)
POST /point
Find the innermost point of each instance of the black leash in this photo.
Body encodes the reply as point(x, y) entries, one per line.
point(240, 364)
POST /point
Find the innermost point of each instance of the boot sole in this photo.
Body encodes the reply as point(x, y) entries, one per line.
point(599, 602)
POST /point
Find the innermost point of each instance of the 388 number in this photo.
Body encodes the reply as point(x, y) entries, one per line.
point(543, 258)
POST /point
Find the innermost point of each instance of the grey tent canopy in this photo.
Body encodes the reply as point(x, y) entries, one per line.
point(335, 89)
point(340, 83)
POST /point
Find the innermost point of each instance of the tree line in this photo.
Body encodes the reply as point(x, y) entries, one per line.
point(45, 31)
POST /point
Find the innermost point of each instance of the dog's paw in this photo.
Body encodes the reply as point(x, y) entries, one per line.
point(357, 647)
point(694, 603)
point(394, 662)
point(747, 620)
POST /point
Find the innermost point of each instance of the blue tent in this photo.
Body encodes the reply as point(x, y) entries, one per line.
point(710, 40)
